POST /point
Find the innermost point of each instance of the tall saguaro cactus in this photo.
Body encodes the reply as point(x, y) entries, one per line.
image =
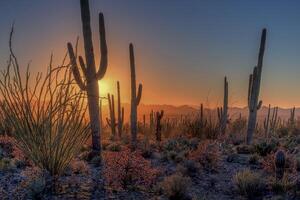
point(112, 121)
point(120, 112)
point(253, 90)
point(90, 84)
point(223, 112)
point(135, 98)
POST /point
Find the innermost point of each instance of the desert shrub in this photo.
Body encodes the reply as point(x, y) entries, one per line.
point(207, 154)
point(269, 163)
point(254, 159)
point(177, 149)
point(282, 131)
point(264, 148)
point(114, 146)
point(238, 126)
point(281, 186)
point(244, 149)
point(175, 187)
point(128, 170)
point(47, 116)
point(7, 164)
point(249, 183)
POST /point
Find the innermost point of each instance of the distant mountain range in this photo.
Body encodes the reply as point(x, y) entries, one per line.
point(177, 111)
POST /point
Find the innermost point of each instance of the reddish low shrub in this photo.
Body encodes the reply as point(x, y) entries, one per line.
point(269, 163)
point(128, 170)
point(207, 154)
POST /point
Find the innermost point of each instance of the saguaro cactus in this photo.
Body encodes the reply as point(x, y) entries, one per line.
point(223, 112)
point(120, 112)
point(90, 85)
point(271, 123)
point(112, 121)
point(135, 98)
point(291, 120)
point(159, 116)
point(253, 90)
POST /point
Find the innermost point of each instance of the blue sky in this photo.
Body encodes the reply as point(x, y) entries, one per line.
point(183, 48)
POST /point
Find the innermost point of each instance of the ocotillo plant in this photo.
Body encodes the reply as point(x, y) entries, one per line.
point(112, 121)
point(120, 112)
point(90, 85)
point(159, 116)
point(135, 98)
point(223, 111)
point(253, 90)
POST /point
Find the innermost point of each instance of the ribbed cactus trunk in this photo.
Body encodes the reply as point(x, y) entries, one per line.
point(159, 116)
point(120, 112)
point(223, 112)
point(112, 121)
point(253, 91)
point(90, 84)
point(135, 99)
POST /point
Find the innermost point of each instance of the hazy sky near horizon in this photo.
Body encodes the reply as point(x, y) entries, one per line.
point(183, 49)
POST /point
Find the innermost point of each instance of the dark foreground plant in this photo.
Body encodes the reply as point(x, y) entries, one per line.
point(45, 113)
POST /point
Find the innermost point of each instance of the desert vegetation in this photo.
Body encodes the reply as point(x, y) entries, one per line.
point(54, 143)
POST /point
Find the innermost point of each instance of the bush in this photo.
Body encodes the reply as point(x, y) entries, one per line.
point(281, 186)
point(207, 154)
point(128, 170)
point(264, 148)
point(48, 118)
point(175, 187)
point(7, 164)
point(269, 163)
point(249, 183)
point(178, 148)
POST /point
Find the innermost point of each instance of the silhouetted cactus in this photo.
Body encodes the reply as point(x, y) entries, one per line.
point(271, 123)
point(135, 98)
point(112, 121)
point(279, 164)
point(291, 120)
point(253, 90)
point(90, 85)
point(120, 112)
point(159, 116)
point(223, 111)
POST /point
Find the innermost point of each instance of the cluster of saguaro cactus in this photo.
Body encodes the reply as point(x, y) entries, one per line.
point(88, 67)
point(159, 116)
point(135, 98)
point(271, 122)
point(291, 120)
point(223, 111)
point(279, 164)
point(253, 90)
point(112, 121)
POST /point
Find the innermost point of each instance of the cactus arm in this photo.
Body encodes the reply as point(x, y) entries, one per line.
point(259, 105)
point(75, 69)
point(139, 94)
point(82, 65)
point(103, 49)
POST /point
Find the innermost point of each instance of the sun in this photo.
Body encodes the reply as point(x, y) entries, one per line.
point(103, 88)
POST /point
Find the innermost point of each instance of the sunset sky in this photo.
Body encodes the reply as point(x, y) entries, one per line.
point(183, 49)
